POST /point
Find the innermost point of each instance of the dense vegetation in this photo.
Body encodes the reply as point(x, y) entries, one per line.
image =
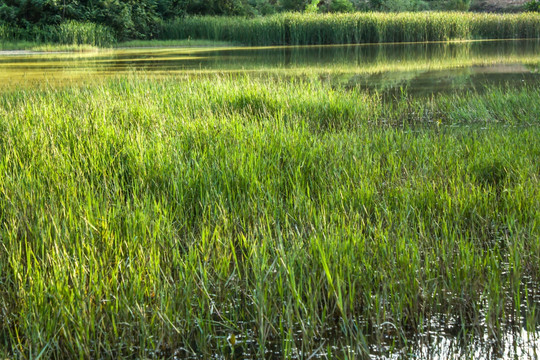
point(284, 212)
point(121, 20)
point(301, 29)
point(533, 5)
point(304, 29)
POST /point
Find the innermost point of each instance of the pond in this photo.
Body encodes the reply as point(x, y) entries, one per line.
point(420, 68)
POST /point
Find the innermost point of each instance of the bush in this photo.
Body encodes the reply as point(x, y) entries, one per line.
point(404, 5)
point(341, 6)
point(533, 5)
point(312, 7)
point(459, 5)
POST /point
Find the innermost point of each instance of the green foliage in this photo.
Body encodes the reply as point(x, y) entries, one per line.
point(308, 29)
point(76, 33)
point(263, 7)
point(291, 28)
point(341, 6)
point(217, 7)
point(532, 5)
point(142, 19)
point(128, 18)
point(7, 33)
point(293, 5)
point(313, 7)
point(459, 5)
point(69, 33)
point(170, 9)
point(8, 14)
point(404, 5)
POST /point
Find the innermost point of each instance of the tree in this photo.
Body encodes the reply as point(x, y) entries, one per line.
point(341, 6)
point(293, 5)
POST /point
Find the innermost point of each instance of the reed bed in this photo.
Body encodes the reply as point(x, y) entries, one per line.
point(320, 29)
point(67, 33)
point(287, 213)
point(77, 33)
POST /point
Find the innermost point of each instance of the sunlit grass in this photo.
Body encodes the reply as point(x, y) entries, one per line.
point(70, 48)
point(306, 29)
point(70, 33)
point(293, 29)
point(141, 215)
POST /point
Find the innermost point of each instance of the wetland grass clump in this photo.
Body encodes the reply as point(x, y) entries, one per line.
point(82, 33)
point(143, 218)
point(320, 29)
point(69, 33)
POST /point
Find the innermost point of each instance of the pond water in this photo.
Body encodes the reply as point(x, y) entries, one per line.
point(420, 68)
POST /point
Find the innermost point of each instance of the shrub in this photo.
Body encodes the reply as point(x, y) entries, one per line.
point(341, 6)
point(404, 5)
point(533, 5)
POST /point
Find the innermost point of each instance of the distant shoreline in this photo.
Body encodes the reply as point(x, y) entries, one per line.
point(296, 29)
point(30, 48)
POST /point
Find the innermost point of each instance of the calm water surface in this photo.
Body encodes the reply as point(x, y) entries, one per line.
point(421, 68)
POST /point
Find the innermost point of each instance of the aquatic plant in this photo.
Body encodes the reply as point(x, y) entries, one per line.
point(146, 218)
point(67, 33)
point(312, 28)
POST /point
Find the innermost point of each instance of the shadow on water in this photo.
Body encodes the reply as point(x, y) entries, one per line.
point(423, 69)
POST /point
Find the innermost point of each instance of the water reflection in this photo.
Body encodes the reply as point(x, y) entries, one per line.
point(519, 344)
point(421, 68)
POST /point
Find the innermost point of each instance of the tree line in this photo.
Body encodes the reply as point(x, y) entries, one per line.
point(141, 19)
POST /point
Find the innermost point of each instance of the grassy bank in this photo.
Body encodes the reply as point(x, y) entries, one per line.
point(287, 213)
point(45, 47)
point(294, 29)
point(54, 47)
point(308, 29)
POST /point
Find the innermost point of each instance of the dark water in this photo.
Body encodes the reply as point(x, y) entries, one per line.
point(419, 68)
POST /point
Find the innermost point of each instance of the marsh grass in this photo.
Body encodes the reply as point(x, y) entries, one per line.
point(320, 29)
point(69, 33)
point(289, 213)
point(301, 29)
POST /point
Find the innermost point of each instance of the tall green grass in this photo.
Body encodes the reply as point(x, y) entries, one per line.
point(149, 218)
point(77, 33)
point(308, 29)
point(67, 33)
point(304, 29)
